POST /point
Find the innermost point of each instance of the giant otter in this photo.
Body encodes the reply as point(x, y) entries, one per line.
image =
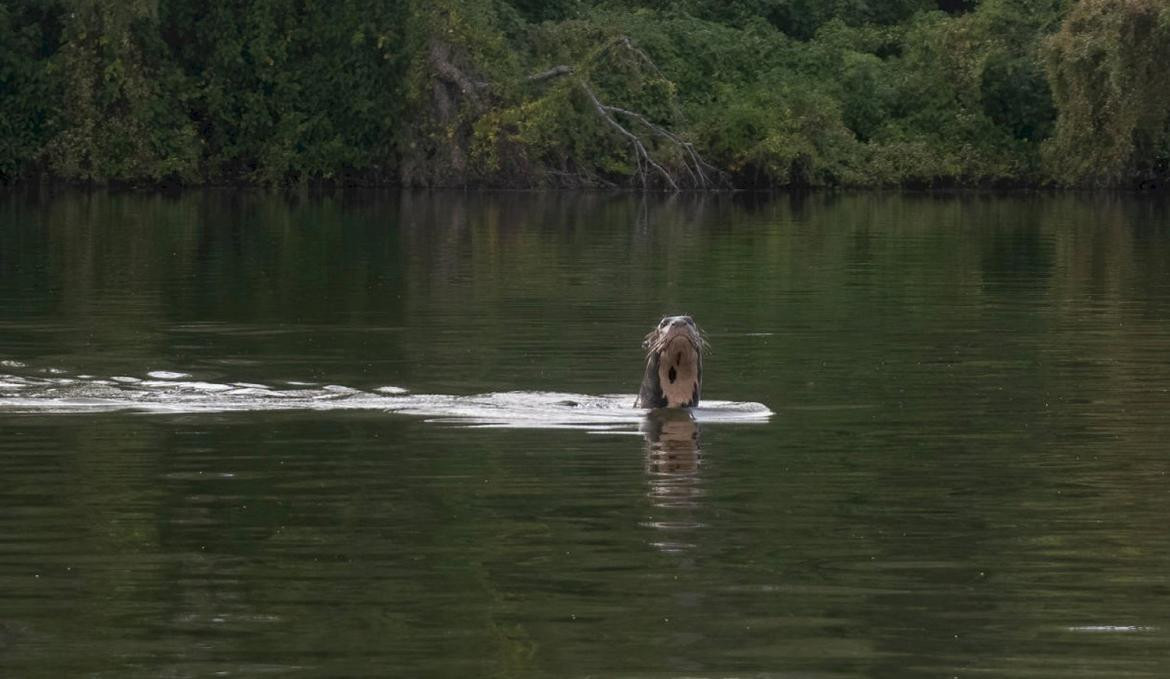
point(674, 365)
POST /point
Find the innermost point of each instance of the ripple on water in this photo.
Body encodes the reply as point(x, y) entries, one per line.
point(175, 392)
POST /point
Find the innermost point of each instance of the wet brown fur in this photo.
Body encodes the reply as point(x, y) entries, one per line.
point(674, 365)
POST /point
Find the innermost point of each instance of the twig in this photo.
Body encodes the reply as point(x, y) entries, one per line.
point(701, 178)
point(702, 174)
point(640, 151)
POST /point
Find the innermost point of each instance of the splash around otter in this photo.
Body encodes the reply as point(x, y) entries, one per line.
point(674, 365)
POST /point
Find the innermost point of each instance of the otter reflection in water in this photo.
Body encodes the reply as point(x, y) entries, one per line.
point(673, 479)
point(674, 365)
point(672, 442)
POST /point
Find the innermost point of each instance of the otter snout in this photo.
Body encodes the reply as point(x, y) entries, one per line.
point(674, 365)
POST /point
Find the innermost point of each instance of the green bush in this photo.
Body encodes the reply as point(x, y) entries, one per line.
point(29, 33)
point(507, 92)
point(122, 112)
point(1109, 75)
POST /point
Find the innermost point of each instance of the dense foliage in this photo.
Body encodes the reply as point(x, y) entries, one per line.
point(630, 93)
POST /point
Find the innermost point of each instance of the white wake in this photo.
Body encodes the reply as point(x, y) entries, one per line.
point(54, 391)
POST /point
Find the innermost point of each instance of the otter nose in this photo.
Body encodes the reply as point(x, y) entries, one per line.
point(678, 322)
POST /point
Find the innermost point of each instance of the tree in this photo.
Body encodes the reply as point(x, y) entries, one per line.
point(29, 33)
point(459, 61)
point(123, 115)
point(291, 91)
point(1108, 70)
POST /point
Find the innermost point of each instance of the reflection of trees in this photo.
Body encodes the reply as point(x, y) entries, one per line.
point(131, 282)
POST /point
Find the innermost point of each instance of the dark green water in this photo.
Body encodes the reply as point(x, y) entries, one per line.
point(965, 475)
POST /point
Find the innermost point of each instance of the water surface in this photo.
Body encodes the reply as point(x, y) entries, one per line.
point(961, 471)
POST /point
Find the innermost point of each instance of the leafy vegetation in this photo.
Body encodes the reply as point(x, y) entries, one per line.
point(1110, 70)
point(622, 93)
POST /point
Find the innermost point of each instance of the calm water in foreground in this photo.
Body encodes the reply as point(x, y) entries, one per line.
point(965, 471)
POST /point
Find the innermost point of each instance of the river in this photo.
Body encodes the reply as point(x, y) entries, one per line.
point(391, 434)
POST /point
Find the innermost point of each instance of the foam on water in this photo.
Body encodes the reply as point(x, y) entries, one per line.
point(1113, 629)
point(175, 392)
point(166, 375)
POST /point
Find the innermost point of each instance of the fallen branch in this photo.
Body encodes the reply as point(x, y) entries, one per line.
point(697, 174)
point(629, 44)
point(553, 72)
point(441, 62)
point(702, 174)
point(640, 152)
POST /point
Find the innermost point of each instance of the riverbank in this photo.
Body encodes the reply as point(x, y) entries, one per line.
point(704, 95)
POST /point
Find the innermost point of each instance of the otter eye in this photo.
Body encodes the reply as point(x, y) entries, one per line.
point(690, 321)
point(664, 322)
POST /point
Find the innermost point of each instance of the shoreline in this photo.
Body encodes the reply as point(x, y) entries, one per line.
point(1135, 187)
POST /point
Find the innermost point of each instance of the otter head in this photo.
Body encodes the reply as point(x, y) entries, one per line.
point(674, 365)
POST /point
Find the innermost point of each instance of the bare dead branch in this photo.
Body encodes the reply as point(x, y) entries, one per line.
point(702, 174)
point(640, 151)
point(696, 167)
point(697, 174)
point(440, 60)
point(629, 45)
point(554, 72)
point(657, 129)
